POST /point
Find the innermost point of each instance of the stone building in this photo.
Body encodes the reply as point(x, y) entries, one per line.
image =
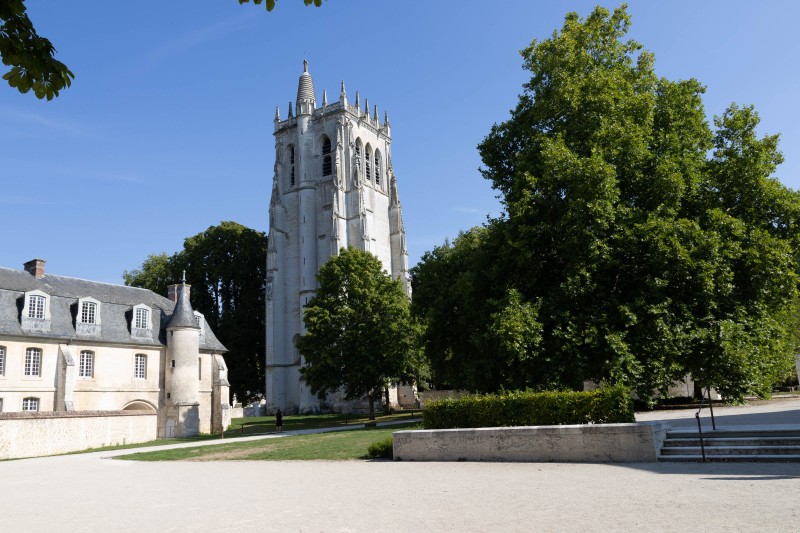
point(333, 187)
point(68, 344)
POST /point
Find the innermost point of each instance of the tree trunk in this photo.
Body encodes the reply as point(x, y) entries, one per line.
point(371, 397)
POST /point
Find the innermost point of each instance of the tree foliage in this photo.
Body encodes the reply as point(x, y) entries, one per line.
point(626, 253)
point(359, 333)
point(29, 55)
point(270, 4)
point(226, 267)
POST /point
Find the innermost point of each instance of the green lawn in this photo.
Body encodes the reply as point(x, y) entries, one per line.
point(260, 425)
point(338, 445)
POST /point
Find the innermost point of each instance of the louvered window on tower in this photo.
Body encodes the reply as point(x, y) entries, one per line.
point(368, 157)
point(326, 157)
point(377, 167)
point(291, 162)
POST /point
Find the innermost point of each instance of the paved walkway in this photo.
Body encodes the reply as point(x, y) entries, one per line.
point(90, 492)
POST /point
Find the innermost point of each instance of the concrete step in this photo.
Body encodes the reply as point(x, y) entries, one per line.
point(732, 433)
point(732, 458)
point(732, 450)
point(738, 441)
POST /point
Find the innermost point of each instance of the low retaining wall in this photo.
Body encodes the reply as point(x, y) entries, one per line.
point(592, 443)
point(41, 433)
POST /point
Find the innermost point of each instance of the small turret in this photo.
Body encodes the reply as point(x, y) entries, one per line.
point(306, 101)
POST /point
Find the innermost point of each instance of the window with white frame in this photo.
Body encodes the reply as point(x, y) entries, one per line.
point(33, 362)
point(36, 306)
point(30, 404)
point(141, 318)
point(88, 313)
point(2, 360)
point(140, 366)
point(86, 366)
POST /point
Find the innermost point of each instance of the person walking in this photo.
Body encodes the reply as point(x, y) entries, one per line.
point(278, 421)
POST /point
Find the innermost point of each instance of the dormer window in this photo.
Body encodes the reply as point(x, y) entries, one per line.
point(87, 319)
point(141, 318)
point(36, 306)
point(36, 311)
point(201, 323)
point(88, 312)
point(141, 321)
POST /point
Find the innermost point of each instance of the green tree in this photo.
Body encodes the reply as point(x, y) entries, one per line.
point(359, 333)
point(29, 55)
point(226, 267)
point(629, 253)
point(270, 4)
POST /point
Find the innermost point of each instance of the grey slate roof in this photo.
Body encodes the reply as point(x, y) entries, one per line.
point(116, 309)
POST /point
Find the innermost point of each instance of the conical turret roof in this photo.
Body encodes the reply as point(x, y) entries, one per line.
point(305, 87)
point(183, 315)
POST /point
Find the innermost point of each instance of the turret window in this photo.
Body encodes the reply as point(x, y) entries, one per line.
point(327, 166)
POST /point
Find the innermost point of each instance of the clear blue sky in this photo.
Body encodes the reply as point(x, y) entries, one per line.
point(167, 128)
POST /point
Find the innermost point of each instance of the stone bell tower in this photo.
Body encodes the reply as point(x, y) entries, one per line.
point(333, 187)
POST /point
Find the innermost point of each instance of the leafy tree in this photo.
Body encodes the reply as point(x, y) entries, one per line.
point(226, 267)
point(627, 253)
point(29, 55)
point(359, 333)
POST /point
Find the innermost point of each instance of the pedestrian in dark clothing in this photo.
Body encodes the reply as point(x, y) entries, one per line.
point(278, 421)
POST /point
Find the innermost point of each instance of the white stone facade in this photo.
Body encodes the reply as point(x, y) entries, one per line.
point(333, 187)
point(69, 345)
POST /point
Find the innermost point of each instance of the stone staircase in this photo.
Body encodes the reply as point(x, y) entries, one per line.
point(754, 444)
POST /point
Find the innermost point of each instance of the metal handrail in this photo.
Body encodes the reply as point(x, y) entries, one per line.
point(697, 417)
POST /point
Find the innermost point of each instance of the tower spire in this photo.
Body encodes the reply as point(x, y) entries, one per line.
point(306, 101)
point(366, 107)
point(342, 93)
point(358, 101)
point(324, 98)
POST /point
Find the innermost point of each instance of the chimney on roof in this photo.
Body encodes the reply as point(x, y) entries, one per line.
point(173, 291)
point(35, 267)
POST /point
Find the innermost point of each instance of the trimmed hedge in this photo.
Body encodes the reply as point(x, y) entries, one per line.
point(606, 405)
point(381, 450)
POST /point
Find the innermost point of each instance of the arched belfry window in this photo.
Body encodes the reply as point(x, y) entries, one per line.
point(327, 167)
point(368, 159)
point(291, 165)
point(377, 167)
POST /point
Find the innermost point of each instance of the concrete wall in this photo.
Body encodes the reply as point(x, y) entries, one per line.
point(593, 443)
point(34, 434)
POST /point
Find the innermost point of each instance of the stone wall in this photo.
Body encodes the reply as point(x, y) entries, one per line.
point(34, 434)
point(592, 443)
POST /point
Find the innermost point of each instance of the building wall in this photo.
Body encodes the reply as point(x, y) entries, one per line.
point(50, 433)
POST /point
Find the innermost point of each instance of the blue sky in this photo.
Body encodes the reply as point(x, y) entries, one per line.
point(167, 128)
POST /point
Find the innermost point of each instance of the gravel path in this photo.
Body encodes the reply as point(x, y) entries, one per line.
point(91, 492)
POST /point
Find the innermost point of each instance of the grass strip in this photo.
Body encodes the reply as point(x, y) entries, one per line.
point(335, 446)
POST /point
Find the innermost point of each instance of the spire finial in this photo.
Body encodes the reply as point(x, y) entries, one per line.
point(366, 106)
point(375, 113)
point(358, 100)
point(305, 65)
point(277, 112)
point(183, 278)
point(324, 97)
point(385, 118)
point(290, 109)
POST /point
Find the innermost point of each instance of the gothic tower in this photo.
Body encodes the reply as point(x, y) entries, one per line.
point(333, 187)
